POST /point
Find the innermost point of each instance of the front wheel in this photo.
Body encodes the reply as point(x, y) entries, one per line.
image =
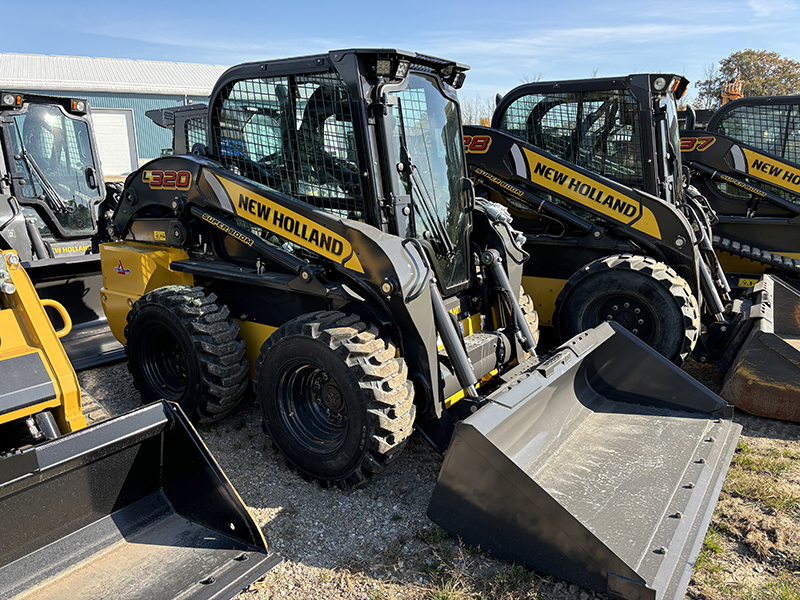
point(183, 347)
point(643, 295)
point(336, 400)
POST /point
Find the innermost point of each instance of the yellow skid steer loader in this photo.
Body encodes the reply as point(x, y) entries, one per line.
point(132, 507)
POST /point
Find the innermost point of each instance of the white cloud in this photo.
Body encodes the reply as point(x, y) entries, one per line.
point(764, 8)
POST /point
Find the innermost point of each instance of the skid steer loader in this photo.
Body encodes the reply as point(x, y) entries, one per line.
point(131, 507)
point(325, 242)
point(591, 172)
point(52, 206)
point(747, 164)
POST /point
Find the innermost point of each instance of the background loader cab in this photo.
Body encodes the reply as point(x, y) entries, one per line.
point(52, 212)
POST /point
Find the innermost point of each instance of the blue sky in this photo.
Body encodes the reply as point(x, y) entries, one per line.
point(502, 40)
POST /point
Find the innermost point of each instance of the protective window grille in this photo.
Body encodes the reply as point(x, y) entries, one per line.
point(194, 132)
point(774, 128)
point(295, 135)
point(595, 130)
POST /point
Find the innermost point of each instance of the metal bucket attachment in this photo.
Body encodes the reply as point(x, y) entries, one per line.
point(765, 377)
point(601, 465)
point(134, 507)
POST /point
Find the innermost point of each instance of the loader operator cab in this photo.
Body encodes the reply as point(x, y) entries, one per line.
point(52, 164)
point(605, 125)
point(301, 134)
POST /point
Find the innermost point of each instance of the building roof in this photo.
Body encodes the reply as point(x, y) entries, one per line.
point(39, 72)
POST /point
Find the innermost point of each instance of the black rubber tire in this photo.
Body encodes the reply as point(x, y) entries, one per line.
point(531, 316)
point(336, 400)
point(182, 347)
point(615, 287)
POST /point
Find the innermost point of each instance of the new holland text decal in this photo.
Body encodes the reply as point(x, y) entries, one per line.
point(292, 226)
point(772, 171)
point(167, 180)
point(591, 194)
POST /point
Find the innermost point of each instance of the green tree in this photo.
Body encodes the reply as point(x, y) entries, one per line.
point(763, 73)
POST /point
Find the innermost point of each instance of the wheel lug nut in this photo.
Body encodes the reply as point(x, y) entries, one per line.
point(635, 331)
point(627, 305)
point(609, 317)
point(615, 308)
point(641, 321)
point(637, 310)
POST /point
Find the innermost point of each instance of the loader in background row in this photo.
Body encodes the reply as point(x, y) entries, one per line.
point(591, 171)
point(747, 164)
point(132, 507)
point(324, 240)
point(52, 212)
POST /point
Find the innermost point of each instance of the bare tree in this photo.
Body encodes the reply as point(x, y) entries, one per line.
point(532, 78)
point(477, 110)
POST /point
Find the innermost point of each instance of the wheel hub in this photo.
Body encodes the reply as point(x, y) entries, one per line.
point(629, 313)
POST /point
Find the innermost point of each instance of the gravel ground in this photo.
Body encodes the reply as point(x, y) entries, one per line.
point(371, 543)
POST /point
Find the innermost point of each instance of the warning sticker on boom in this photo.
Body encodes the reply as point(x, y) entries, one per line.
point(593, 195)
point(291, 226)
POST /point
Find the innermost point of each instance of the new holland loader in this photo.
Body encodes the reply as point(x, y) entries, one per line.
point(326, 243)
point(52, 206)
point(747, 164)
point(131, 507)
point(591, 172)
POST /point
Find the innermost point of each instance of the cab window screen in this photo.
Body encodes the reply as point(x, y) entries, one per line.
point(596, 130)
point(775, 128)
point(295, 135)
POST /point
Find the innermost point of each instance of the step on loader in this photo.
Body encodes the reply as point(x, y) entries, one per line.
point(592, 174)
point(324, 241)
point(747, 165)
point(53, 202)
point(131, 507)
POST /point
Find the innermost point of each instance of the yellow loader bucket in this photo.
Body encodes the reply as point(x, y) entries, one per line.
point(764, 379)
point(134, 507)
point(601, 465)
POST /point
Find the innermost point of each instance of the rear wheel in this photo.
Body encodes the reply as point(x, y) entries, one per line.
point(182, 347)
point(643, 295)
point(336, 400)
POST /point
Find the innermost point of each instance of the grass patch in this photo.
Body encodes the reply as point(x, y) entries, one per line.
point(433, 535)
point(755, 475)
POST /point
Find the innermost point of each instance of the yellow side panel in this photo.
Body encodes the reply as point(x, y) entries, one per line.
point(648, 224)
point(543, 292)
point(25, 328)
point(130, 270)
point(254, 335)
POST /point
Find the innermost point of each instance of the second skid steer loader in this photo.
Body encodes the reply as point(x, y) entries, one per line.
point(325, 242)
point(747, 164)
point(591, 171)
point(52, 212)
